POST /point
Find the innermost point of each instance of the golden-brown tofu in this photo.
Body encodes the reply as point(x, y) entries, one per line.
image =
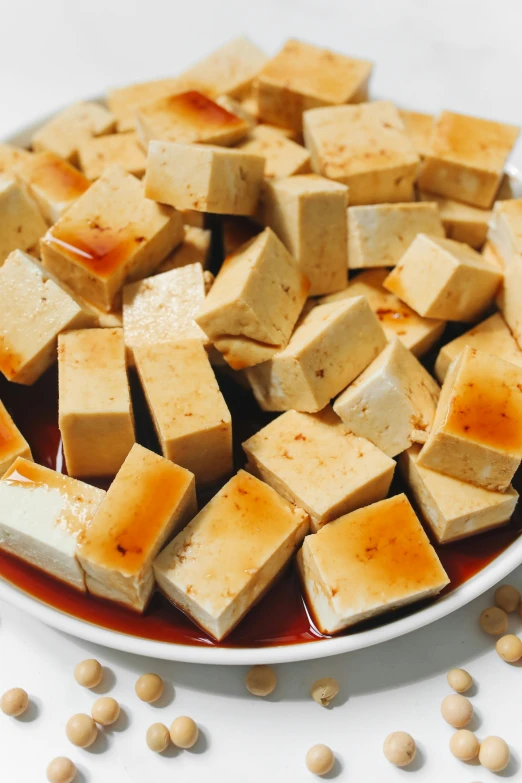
point(462, 222)
point(110, 236)
point(466, 158)
point(21, 224)
point(192, 421)
point(204, 177)
point(148, 502)
point(302, 76)
point(283, 156)
point(52, 182)
point(65, 132)
point(95, 409)
point(364, 147)
point(230, 69)
point(419, 128)
point(123, 149)
point(441, 278)
point(195, 249)
point(12, 442)
point(477, 431)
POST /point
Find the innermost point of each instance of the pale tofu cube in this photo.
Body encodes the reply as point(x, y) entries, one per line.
point(195, 249)
point(228, 557)
point(419, 127)
point(11, 156)
point(466, 158)
point(366, 563)
point(112, 235)
point(314, 461)
point(204, 177)
point(477, 431)
point(505, 236)
point(161, 309)
point(396, 318)
point(283, 156)
point(441, 278)
point(230, 69)
point(256, 299)
point(236, 231)
point(378, 235)
point(33, 312)
point(52, 182)
point(95, 409)
point(308, 213)
point(302, 76)
point(12, 442)
point(320, 360)
point(148, 502)
point(21, 224)
point(462, 222)
point(123, 101)
point(189, 118)
point(452, 508)
point(44, 515)
point(67, 130)
point(392, 403)
point(490, 336)
point(123, 149)
point(364, 147)
point(192, 421)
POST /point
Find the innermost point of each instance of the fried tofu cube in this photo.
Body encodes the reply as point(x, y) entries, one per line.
point(314, 461)
point(124, 101)
point(378, 235)
point(21, 224)
point(441, 278)
point(419, 128)
point(11, 156)
point(396, 318)
point(366, 563)
point(319, 361)
point(33, 312)
point(477, 431)
point(308, 213)
point(204, 178)
point(490, 336)
point(195, 249)
point(52, 182)
point(452, 508)
point(67, 130)
point(148, 502)
point(161, 309)
point(123, 149)
point(462, 222)
point(256, 299)
point(12, 442)
point(283, 156)
point(229, 70)
point(505, 238)
point(394, 382)
point(302, 76)
point(191, 418)
point(466, 158)
point(112, 235)
point(44, 515)
point(364, 147)
point(228, 557)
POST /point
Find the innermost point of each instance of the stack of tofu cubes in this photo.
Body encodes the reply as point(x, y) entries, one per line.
point(352, 233)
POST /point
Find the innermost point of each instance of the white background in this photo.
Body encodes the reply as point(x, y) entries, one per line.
point(453, 54)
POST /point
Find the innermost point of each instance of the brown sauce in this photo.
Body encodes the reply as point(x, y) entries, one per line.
point(99, 250)
point(196, 109)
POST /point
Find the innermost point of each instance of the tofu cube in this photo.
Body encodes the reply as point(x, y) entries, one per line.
point(12, 442)
point(67, 130)
point(52, 182)
point(308, 213)
point(44, 515)
point(380, 234)
point(112, 235)
point(419, 128)
point(505, 236)
point(283, 156)
point(161, 309)
point(394, 382)
point(33, 312)
point(364, 147)
point(230, 69)
point(252, 308)
point(204, 178)
point(302, 76)
point(228, 557)
point(124, 101)
point(11, 156)
point(462, 222)
point(477, 431)
point(148, 502)
point(191, 418)
point(195, 249)
point(314, 461)
point(441, 278)
point(21, 224)
point(95, 410)
point(466, 158)
point(396, 318)
point(123, 149)
point(490, 336)
point(189, 118)
point(320, 360)
point(452, 508)
point(366, 563)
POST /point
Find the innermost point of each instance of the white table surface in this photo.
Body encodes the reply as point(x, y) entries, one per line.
point(451, 54)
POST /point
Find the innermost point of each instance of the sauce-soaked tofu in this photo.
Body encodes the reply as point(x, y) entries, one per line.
point(53, 183)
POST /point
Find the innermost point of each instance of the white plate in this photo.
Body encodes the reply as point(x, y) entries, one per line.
point(484, 580)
